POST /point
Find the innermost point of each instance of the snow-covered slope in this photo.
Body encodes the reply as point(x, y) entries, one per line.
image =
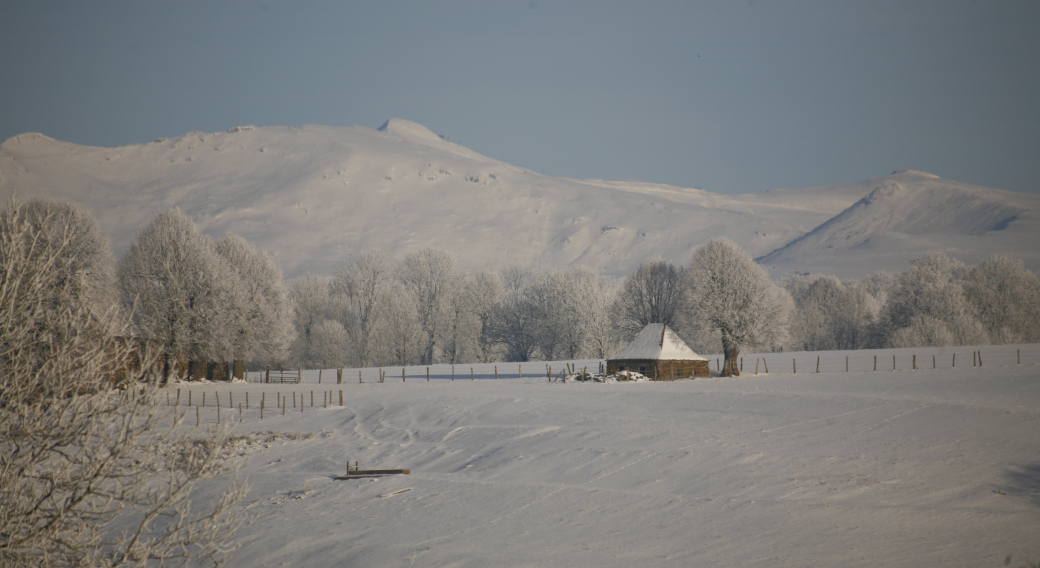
point(927, 467)
point(914, 213)
point(313, 194)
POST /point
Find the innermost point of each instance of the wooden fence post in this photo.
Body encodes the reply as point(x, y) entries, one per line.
point(496, 371)
point(794, 366)
point(319, 376)
point(402, 375)
point(756, 365)
point(764, 364)
point(954, 364)
point(875, 362)
point(453, 372)
point(817, 363)
point(893, 362)
point(519, 371)
point(846, 363)
point(341, 398)
point(427, 374)
point(933, 361)
point(339, 376)
point(471, 377)
point(359, 376)
point(1017, 351)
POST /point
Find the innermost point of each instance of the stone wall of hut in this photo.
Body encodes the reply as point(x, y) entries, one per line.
point(667, 370)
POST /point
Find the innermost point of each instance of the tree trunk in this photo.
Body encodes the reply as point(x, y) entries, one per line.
point(731, 350)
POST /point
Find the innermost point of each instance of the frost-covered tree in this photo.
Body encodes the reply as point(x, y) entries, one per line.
point(76, 452)
point(172, 283)
point(259, 316)
point(573, 311)
point(361, 283)
point(651, 294)
point(932, 289)
point(401, 338)
point(462, 324)
point(62, 229)
point(1006, 298)
point(430, 276)
point(484, 292)
point(328, 344)
point(312, 305)
point(732, 295)
point(830, 315)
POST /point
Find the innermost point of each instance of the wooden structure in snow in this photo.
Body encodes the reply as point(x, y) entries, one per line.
point(658, 353)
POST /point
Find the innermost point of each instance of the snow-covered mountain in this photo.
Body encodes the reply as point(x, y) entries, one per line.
point(313, 194)
point(910, 214)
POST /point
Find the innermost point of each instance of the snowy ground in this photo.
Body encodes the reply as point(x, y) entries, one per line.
point(859, 468)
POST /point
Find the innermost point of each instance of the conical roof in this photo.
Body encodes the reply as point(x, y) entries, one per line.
point(657, 342)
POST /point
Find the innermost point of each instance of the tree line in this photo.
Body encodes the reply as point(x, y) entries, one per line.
point(200, 300)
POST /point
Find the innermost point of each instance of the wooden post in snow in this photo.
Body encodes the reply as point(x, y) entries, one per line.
point(817, 363)
point(339, 376)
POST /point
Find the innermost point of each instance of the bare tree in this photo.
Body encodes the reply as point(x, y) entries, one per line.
point(170, 280)
point(732, 295)
point(515, 320)
point(75, 452)
point(361, 282)
point(651, 294)
point(430, 276)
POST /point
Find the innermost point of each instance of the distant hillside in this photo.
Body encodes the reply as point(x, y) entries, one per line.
point(313, 194)
point(913, 213)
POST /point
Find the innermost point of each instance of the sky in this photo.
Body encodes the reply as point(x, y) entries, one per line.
point(739, 96)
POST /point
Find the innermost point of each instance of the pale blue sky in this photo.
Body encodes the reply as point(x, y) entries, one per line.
point(735, 96)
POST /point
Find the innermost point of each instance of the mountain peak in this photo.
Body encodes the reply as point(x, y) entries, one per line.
point(409, 130)
point(913, 173)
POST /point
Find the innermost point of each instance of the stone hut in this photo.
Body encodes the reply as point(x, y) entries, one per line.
point(658, 353)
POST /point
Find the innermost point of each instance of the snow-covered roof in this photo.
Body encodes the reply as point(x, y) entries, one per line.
point(658, 342)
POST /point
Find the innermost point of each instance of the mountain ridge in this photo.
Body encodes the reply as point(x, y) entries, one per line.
point(310, 195)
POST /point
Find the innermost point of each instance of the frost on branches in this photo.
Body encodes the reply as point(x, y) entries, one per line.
point(78, 432)
point(731, 294)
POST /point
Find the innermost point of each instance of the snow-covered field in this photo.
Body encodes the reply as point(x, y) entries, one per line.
point(921, 467)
